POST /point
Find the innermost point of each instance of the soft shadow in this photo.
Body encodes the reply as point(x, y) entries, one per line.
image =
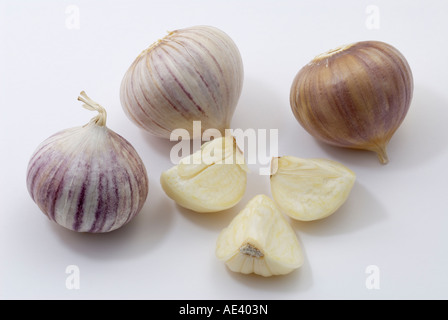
point(351, 157)
point(361, 210)
point(141, 235)
point(211, 220)
point(298, 280)
point(159, 145)
point(418, 140)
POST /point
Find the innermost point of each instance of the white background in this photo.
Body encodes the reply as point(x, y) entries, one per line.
point(396, 217)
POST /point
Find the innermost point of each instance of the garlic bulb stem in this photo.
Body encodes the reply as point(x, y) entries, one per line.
point(91, 105)
point(381, 153)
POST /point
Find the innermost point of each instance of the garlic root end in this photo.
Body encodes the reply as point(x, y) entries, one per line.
point(382, 154)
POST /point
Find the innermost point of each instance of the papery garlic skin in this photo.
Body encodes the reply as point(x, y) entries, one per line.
point(210, 180)
point(88, 179)
point(355, 96)
point(192, 74)
point(260, 240)
point(310, 189)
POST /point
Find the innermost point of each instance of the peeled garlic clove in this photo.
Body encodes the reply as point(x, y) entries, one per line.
point(212, 179)
point(89, 178)
point(310, 189)
point(260, 240)
point(355, 96)
point(192, 74)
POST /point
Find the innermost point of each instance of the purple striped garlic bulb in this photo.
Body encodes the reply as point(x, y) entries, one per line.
point(192, 74)
point(89, 178)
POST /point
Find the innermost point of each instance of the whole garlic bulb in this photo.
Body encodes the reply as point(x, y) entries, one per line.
point(192, 74)
point(355, 96)
point(89, 178)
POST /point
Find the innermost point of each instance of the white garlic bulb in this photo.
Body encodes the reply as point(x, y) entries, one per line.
point(260, 240)
point(89, 178)
point(192, 74)
point(310, 189)
point(211, 179)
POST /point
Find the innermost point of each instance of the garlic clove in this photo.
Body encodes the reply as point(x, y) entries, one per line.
point(260, 240)
point(310, 189)
point(192, 74)
point(89, 178)
point(355, 96)
point(212, 179)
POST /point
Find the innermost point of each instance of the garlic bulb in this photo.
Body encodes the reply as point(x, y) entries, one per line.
point(260, 240)
point(211, 179)
point(192, 74)
point(355, 96)
point(310, 189)
point(89, 178)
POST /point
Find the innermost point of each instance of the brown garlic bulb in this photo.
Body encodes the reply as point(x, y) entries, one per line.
point(355, 96)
